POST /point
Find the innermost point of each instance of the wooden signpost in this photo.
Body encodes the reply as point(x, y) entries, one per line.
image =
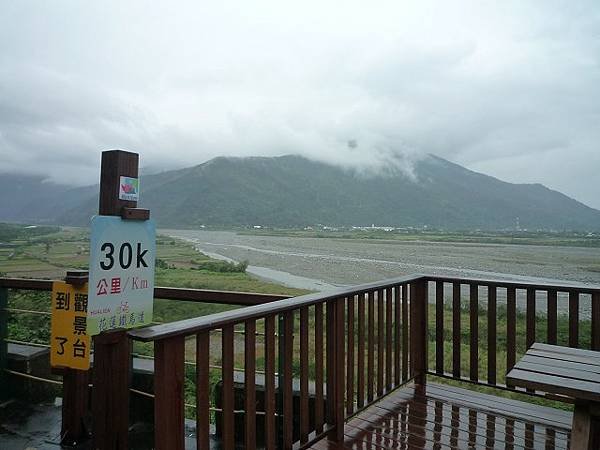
point(112, 349)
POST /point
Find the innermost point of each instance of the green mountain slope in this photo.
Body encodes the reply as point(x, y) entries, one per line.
point(294, 191)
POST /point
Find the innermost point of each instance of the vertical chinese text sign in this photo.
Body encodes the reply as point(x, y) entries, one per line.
point(70, 342)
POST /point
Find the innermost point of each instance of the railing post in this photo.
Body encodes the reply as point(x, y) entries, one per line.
point(595, 344)
point(329, 363)
point(3, 337)
point(418, 330)
point(335, 368)
point(110, 395)
point(169, 377)
point(340, 345)
point(75, 404)
point(280, 379)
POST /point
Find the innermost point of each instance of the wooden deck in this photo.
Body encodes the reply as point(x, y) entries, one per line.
point(450, 417)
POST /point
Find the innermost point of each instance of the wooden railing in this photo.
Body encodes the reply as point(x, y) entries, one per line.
point(117, 363)
point(358, 343)
point(324, 357)
point(466, 316)
point(166, 293)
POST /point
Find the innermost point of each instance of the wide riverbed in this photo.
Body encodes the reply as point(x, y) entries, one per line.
point(323, 263)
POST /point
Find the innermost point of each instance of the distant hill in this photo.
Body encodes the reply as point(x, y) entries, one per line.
point(30, 199)
point(294, 191)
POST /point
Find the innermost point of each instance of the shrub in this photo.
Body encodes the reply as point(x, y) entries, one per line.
point(161, 264)
point(223, 266)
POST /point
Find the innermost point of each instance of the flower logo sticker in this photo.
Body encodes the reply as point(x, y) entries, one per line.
point(129, 189)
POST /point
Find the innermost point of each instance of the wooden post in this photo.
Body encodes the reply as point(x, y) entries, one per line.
point(112, 357)
point(110, 394)
point(169, 379)
point(330, 364)
point(3, 337)
point(339, 372)
point(418, 330)
point(75, 404)
point(280, 379)
point(335, 368)
point(581, 429)
point(115, 164)
point(595, 321)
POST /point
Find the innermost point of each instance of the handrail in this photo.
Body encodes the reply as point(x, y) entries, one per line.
point(26, 283)
point(194, 325)
point(167, 293)
point(212, 296)
point(253, 298)
point(536, 283)
point(218, 320)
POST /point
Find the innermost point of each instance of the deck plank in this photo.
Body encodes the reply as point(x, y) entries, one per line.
point(448, 417)
point(557, 384)
point(429, 402)
point(555, 369)
point(462, 419)
point(552, 356)
point(529, 358)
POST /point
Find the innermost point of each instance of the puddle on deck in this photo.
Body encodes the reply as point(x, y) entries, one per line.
point(29, 426)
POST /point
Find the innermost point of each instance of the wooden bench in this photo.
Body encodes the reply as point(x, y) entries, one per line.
point(569, 372)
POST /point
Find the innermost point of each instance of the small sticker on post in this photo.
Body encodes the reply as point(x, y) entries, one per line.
point(129, 189)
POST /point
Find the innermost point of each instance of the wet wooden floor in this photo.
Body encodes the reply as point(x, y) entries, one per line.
point(446, 417)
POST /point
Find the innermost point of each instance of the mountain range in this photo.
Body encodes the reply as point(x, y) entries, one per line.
point(292, 191)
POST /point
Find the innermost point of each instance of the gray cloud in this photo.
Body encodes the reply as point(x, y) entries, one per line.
point(509, 89)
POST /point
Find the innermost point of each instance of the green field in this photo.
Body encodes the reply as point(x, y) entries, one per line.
point(570, 239)
point(35, 255)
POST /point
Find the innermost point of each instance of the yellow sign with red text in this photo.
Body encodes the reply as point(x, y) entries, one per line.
point(69, 341)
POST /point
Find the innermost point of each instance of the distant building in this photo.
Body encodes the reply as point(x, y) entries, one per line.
point(374, 228)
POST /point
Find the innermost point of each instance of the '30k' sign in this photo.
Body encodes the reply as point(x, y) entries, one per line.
point(121, 284)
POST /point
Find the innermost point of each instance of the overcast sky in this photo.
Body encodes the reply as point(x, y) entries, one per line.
point(511, 89)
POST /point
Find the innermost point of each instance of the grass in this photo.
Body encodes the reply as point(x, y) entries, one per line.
point(570, 239)
point(222, 281)
point(180, 264)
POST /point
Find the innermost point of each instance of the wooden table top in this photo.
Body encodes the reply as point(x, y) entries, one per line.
point(559, 370)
